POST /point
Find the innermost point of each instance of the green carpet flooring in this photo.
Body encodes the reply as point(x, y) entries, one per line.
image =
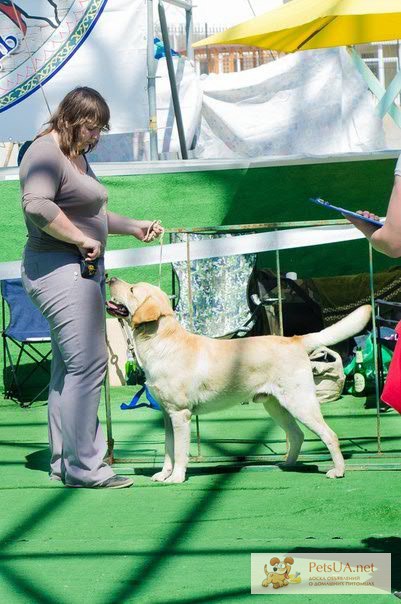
point(167, 544)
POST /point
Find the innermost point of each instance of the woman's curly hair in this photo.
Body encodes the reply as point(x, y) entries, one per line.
point(83, 106)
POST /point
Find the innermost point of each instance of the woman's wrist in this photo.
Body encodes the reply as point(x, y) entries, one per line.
point(135, 228)
point(144, 230)
point(138, 224)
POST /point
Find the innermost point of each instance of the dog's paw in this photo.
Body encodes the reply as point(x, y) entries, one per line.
point(175, 478)
point(335, 473)
point(160, 476)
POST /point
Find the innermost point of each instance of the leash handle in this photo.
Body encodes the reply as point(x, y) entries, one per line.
point(153, 404)
point(150, 227)
point(161, 259)
point(134, 401)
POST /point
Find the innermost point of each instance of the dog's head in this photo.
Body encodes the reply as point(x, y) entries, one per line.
point(138, 303)
point(281, 568)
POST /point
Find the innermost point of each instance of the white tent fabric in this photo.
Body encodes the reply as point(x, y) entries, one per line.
point(68, 43)
point(307, 103)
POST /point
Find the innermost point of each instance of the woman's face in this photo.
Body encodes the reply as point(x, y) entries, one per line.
point(90, 134)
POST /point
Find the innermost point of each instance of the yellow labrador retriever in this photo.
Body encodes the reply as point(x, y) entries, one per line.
point(191, 374)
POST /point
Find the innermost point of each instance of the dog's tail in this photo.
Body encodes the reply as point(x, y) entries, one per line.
point(347, 327)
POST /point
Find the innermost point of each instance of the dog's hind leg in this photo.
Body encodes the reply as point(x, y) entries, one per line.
point(308, 413)
point(181, 423)
point(168, 451)
point(286, 421)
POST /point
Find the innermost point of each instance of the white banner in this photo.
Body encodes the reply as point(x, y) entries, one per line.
point(61, 44)
point(211, 248)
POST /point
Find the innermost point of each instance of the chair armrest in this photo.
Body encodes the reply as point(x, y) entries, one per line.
point(380, 302)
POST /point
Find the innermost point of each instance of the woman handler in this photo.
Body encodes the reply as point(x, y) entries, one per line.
point(65, 210)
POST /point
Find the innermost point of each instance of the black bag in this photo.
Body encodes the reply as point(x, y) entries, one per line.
point(301, 314)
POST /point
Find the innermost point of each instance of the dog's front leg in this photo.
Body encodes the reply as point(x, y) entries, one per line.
point(181, 422)
point(168, 450)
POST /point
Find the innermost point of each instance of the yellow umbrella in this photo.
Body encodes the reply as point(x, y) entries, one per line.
point(308, 24)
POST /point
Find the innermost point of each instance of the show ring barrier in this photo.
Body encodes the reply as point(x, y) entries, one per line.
point(273, 237)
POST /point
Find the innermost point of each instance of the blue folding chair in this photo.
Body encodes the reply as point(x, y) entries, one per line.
point(27, 328)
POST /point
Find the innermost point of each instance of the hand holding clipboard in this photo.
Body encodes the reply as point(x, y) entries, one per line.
point(326, 204)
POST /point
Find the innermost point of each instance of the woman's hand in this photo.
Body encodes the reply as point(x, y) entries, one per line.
point(353, 220)
point(149, 230)
point(366, 228)
point(144, 230)
point(90, 248)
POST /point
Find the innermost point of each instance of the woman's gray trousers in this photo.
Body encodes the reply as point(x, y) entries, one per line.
point(74, 308)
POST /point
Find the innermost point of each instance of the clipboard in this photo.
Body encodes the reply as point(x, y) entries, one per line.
point(325, 204)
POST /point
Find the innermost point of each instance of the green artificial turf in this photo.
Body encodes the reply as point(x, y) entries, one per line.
point(168, 544)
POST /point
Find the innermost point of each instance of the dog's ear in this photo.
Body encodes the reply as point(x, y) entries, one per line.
point(151, 309)
point(288, 560)
point(148, 311)
point(274, 561)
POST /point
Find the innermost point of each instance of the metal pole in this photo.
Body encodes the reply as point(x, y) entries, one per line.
point(208, 51)
point(375, 351)
point(189, 282)
point(380, 65)
point(398, 60)
point(189, 34)
point(173, 288)
point(279, 293)
point(173, 83)
point(191, 319)
point(151, 63)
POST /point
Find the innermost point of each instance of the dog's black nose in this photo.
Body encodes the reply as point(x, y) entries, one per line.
point(110, 280)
